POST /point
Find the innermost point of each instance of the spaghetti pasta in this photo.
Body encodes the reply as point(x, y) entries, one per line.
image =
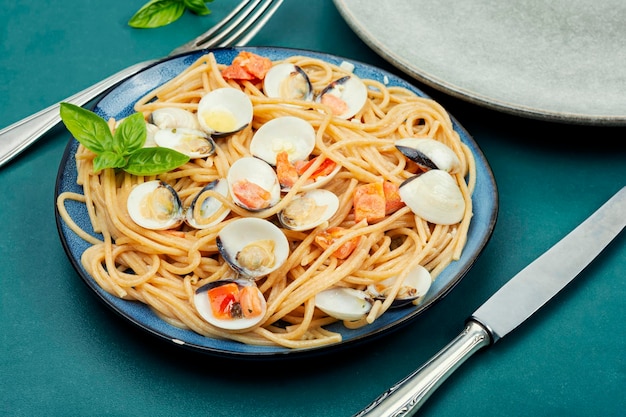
point(163, 269)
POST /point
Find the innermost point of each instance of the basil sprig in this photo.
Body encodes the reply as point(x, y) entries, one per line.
point(158, 13)
point(123, 149)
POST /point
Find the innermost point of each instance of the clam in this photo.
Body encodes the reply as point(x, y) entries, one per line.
point(252, 247)
point(231, 305)
point(345, 96)
point(171, 117)
point(429, 154)
point(224, 111)
point(193, 143)
point(151, 130)
point(155, 205)
point(288, 134)
point(197, 216)
point(344, 303)
point(287, 81)
point(309, 210)
point(414, 287)
point(321, 180)
point(253, 184)
point(434, 196)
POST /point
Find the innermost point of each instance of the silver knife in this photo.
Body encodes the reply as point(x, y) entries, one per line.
point(509, 307)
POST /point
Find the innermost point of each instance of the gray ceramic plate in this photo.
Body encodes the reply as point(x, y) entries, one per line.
point(559, 60)
point(119, 102)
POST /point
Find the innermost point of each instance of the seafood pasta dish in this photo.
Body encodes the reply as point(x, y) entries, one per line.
point(261, 201)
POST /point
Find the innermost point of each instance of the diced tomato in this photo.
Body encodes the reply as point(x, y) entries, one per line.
point(222, 298)
point(252, 195)
point(369, 202)
point(285, 170)
point(393, 202)
point(250, 302)
point(324, 169)
point(336, 104)
point(331, 235)
point(247, 66)
point(255, 64)
point(235, 72)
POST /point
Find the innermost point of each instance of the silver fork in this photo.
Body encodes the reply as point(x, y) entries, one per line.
point(236, 29)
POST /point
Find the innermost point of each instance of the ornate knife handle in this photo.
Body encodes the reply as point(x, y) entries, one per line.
point(408, 395)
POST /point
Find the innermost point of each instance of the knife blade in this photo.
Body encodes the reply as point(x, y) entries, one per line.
point(509, 307)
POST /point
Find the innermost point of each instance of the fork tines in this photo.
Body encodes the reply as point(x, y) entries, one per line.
point(237, 28)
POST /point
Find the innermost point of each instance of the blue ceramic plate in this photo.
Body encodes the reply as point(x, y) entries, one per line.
point(119, 102)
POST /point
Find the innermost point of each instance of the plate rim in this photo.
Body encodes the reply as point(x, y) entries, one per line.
point(470, 95)
point(251, 351)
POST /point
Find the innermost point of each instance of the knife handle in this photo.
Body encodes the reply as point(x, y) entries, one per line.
point(408, 395)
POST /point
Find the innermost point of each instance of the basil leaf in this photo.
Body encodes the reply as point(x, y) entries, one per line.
point(153, 161)
point(198, 7)
point(87, 127)
point(108, 160)
point(157, 13)
point(130, 135)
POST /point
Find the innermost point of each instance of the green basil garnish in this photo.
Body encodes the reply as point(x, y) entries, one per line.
point(158, 13)
point(108, 160)
point(153, 161)
point(198, 7)
point(122, 150)
point(87, 127)
point(130, 135)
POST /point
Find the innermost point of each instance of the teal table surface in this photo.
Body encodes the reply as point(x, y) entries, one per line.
point(63, 352)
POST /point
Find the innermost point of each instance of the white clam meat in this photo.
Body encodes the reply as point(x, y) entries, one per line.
point(171, 117)
point(434, 196)
point(344, 303)
point(253, 247)
point(206, 211)
point(309, 210)
point(289, 134)
point(155, 205)
point(231, 305)
point(287, 81)
point(253, 184)
point(414, 286)
point(191, 142)
point(345, 96)
point(224, 111)
point(429, 154)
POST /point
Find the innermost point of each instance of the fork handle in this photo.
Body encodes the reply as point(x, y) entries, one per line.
point(21, 134)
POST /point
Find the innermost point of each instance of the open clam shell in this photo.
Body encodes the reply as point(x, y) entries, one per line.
point(429, 153)
point(288, 134)
point(253, 184)
point(172, 117)
point(434, 196)
point(196, 215)
point(231, 305)
point(415, 285)
point(309, 210)
point(224, 111)
point(344, 303)
point(287, 81)
point(321, 180)
point(253, 247)
point(345, 96)
point(155, 205)
point(191, 142)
